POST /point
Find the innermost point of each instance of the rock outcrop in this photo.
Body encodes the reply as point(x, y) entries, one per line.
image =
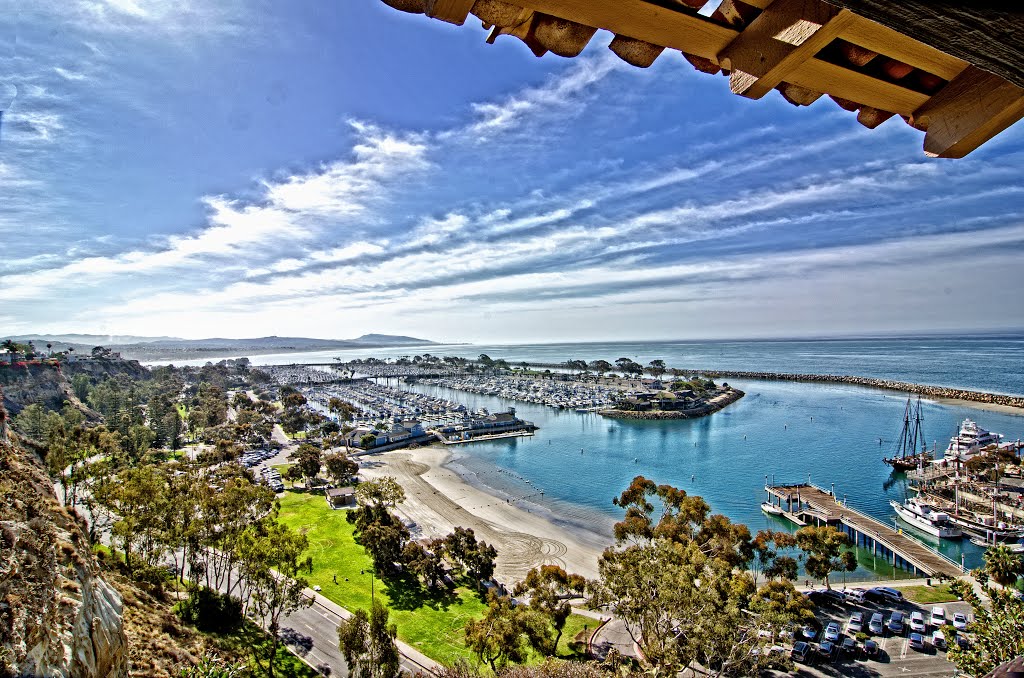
point(58, 617)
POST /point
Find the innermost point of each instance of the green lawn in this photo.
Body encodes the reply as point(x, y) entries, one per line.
point(431, 623)
point(929, 594)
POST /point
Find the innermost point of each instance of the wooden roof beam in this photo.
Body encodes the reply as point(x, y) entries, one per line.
point(690, 33)
point(452, 11)
point(785, 35)
point(974, 107)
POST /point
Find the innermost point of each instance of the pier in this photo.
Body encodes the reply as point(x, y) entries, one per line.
point(806, 504)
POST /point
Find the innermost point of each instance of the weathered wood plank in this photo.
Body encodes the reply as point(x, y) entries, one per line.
point(970, 110)
point(884, 40)
point(849, 84)
point(785, 35)
point(452, 11)
point(988, 35)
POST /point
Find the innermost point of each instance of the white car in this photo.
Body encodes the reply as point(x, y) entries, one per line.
point(917, 624)
point(855, 595)
point(959, 621)
point(938, 617)
point(856, 623)
point(938, 639)
point(832, 631)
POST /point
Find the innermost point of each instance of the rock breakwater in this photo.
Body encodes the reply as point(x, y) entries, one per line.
point(871, 382)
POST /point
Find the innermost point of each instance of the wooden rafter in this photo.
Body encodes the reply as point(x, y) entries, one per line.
point(785, 35)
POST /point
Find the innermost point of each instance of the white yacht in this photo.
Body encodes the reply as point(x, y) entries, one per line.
point(926, 518)
point(970, 439)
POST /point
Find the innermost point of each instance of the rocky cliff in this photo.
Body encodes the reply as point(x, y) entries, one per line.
point(58, 617)
point(48, 383)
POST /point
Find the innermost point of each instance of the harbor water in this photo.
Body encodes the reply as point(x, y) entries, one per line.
point(783, 432)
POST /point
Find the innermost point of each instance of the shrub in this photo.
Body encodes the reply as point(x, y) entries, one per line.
point(211, 611)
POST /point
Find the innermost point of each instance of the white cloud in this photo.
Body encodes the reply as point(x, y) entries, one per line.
point(562, 90)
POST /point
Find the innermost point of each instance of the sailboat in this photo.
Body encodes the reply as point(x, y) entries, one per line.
point(906, 455)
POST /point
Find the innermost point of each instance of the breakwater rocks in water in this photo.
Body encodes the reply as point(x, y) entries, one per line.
point(713, 405)
point(890, 385)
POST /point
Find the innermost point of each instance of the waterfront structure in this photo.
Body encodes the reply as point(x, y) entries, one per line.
point(807, 504)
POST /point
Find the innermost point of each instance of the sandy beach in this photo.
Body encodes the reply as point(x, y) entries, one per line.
point(438, 499)
point(988, 407)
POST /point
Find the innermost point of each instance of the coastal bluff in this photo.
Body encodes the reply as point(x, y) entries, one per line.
point(710, 407)
point(872, 382)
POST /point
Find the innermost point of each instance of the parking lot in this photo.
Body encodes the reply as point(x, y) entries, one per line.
point(895, 656)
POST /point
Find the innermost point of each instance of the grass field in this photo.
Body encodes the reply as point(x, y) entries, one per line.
point(929, 594)
point(432, 623)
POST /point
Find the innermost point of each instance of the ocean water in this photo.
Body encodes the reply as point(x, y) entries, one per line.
point(780, 431)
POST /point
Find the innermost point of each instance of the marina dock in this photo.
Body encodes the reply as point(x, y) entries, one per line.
point(806, 504)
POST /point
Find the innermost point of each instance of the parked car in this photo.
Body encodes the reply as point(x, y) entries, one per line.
point(875, 625)
point(855, 595)
point(828, 649)
point(916, 641)
point(885, 594)
point(870, 649)
point(833, 596)
point(960, 621)
point(962, 642)
point(832, 632)
point(856, 623)
point(810, 630)
point(938, 639)
point(938, 617)
point(895, 625)
point(917, 624)
point(800, 652)
point(849, 647)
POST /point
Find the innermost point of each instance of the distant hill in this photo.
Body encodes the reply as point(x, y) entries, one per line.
point(390, 340)
point(160, 348)
point(90, 339)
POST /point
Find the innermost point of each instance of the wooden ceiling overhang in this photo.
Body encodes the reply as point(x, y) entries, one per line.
point(802, 48)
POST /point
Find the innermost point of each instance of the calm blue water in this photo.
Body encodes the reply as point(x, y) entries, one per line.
point(986, 363)
point(787, 432)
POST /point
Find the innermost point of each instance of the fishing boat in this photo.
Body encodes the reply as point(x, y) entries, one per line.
point(771, 509)
point(907, 454)
point(926, 518)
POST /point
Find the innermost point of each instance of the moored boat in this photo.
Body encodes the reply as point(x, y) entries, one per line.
point(771, 508)
point(908, 455)
point(926, 518)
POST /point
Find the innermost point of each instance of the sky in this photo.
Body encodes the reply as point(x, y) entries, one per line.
point(241, 168)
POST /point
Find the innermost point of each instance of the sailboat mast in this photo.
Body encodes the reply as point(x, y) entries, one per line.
point(905, 433)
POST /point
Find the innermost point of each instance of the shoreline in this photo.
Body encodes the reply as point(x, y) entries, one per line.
point(439, 498)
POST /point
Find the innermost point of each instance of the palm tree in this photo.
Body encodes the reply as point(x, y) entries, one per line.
point(1003, 565)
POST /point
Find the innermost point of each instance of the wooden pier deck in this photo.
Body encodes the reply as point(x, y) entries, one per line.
point(812, 505)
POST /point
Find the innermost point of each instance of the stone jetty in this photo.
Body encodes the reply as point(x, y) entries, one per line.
point(888, 384)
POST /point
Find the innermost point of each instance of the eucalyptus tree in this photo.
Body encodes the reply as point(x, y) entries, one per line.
point(271, 558)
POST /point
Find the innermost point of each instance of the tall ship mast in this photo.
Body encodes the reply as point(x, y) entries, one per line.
point(911, 450)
